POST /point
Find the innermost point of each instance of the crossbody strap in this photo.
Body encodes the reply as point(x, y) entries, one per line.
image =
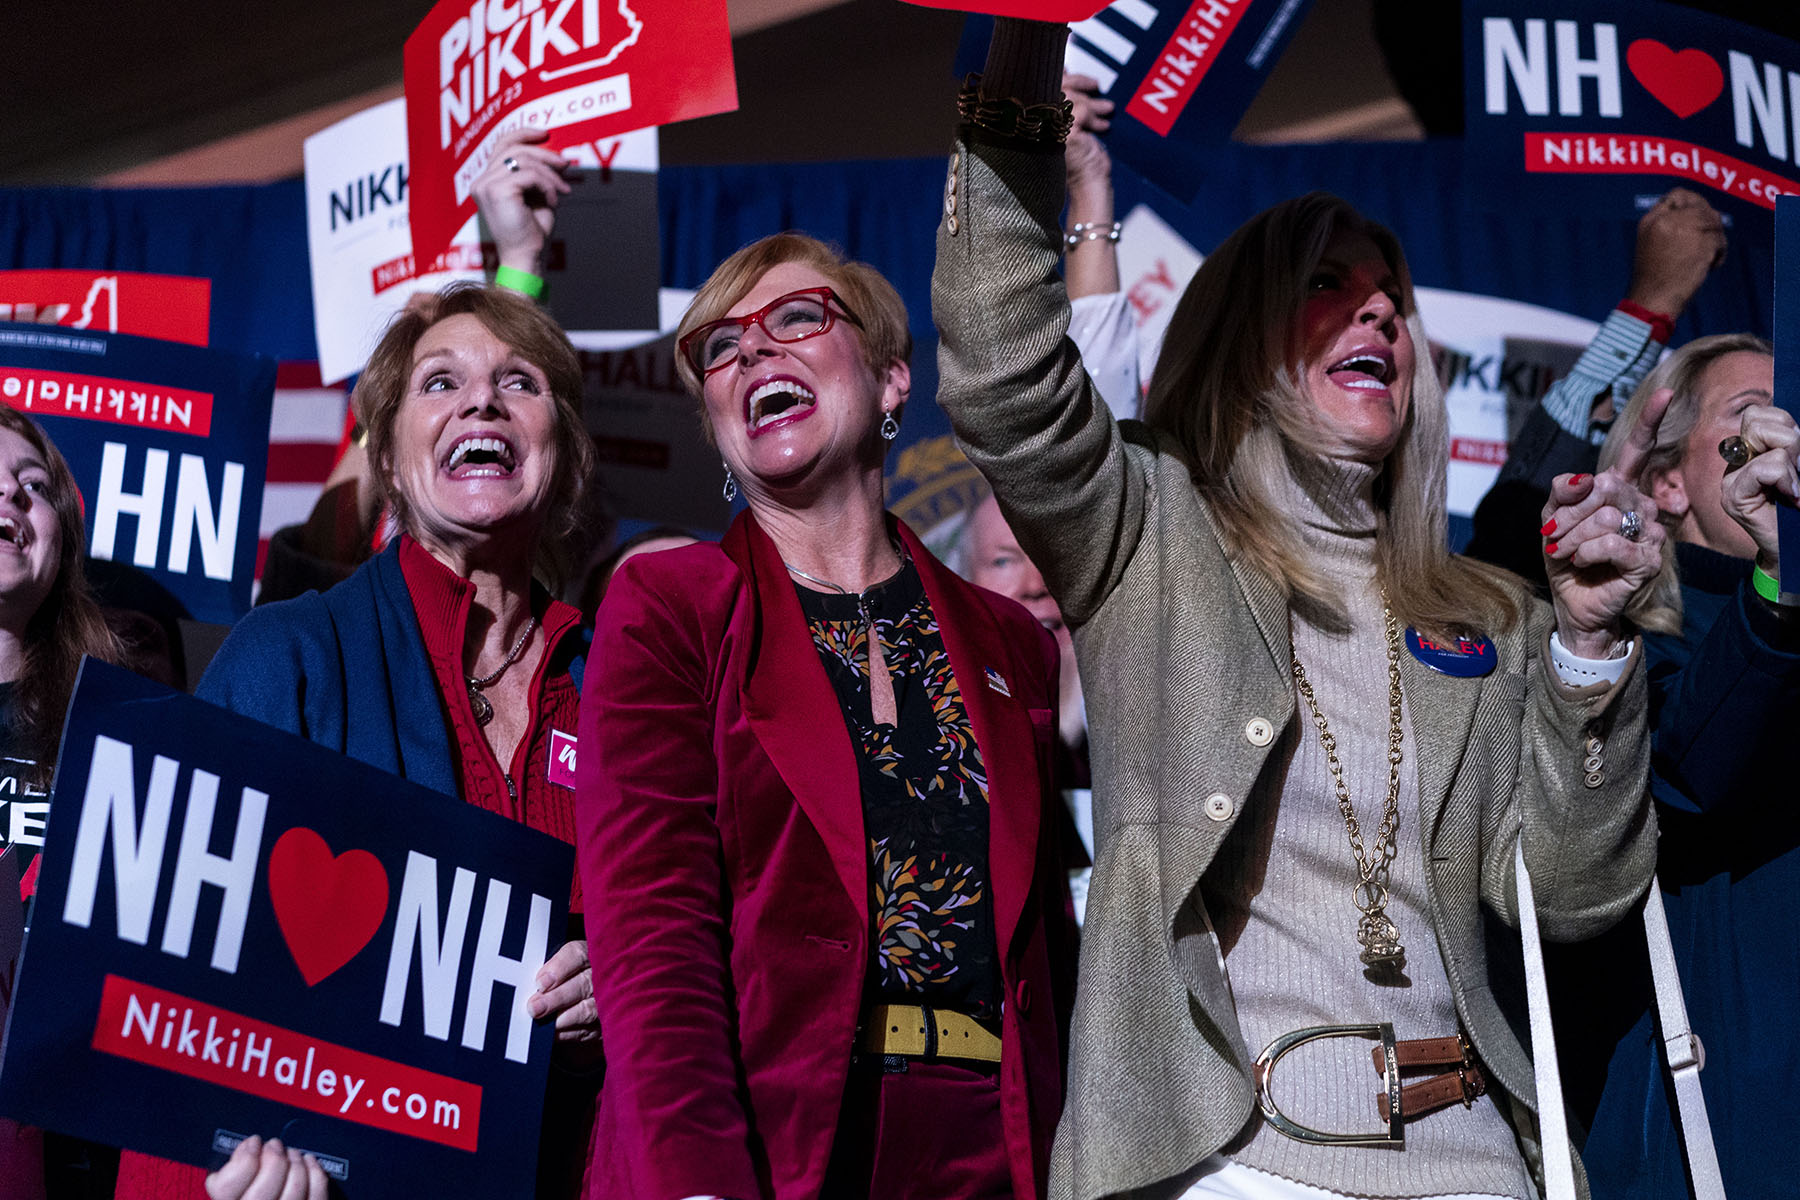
point(1681, 1050)
point(1553, 1124)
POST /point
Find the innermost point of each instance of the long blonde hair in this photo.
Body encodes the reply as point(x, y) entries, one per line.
point(1228, 389)
point(1657, 606)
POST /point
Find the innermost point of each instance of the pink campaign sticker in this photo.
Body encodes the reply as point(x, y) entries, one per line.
point(562, 758)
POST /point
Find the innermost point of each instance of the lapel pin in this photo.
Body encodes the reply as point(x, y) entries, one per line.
point(1468, 657)
point(998, 683)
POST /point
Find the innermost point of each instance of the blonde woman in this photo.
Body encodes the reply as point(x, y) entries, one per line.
point(1316, 735)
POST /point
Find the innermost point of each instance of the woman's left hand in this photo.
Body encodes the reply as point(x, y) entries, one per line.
point(1752, 493)
point(566, 992)
point(1594, 569)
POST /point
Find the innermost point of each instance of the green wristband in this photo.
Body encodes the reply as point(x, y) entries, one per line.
point(1769, 588)
point(523, 282)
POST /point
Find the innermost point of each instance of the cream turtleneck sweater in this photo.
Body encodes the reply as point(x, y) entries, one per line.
point(1279, 893)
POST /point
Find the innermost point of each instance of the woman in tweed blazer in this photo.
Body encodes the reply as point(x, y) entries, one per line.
point(1267, 532)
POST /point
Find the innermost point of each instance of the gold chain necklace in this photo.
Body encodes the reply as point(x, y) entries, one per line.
point(1375, 932)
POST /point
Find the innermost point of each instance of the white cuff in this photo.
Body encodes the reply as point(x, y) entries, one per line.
point(1105, 333)
point(1577, 671)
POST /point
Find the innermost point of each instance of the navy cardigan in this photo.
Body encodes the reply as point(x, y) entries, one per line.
point(1725, 701)
point(346, 669)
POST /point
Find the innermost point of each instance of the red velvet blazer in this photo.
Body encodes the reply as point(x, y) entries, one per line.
point(725, 871)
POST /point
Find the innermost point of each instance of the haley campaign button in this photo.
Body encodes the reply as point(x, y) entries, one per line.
point(1468, 657)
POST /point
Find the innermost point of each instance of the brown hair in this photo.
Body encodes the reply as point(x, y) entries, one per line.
point(1657, 606)
point(880, 313)
point(69, 623)
point(535, 337)
point(1228, 389)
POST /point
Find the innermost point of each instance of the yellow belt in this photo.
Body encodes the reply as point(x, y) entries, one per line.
point(927, 1033)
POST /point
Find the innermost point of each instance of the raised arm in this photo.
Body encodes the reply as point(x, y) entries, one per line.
point(1012, 384)
point(652, 876)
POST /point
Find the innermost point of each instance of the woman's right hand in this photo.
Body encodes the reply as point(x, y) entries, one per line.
point(1751, 492)
point(259, 1170)
point(519, 206)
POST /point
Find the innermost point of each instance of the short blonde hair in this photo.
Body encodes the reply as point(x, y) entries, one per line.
point(880, 313)
point(1657, 606)
point(535, 336)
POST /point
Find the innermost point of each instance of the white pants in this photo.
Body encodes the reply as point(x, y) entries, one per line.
point(1222, 1179)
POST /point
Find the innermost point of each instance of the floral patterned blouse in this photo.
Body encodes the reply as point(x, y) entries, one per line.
point(925, 801)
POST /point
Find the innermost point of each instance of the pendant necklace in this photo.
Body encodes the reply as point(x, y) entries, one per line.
point(1375, 931)
point(483, 707)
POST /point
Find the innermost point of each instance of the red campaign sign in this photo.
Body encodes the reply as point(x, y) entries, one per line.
point(581, 69)
point(175, 308)
point(1031, 10)
point(117, 401)
point(191, 1037)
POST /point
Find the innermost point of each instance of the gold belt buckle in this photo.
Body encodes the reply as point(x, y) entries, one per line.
point(1275, 1050)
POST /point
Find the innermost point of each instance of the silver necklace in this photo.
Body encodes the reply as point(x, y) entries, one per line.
point(840, 589)
point(483, 707)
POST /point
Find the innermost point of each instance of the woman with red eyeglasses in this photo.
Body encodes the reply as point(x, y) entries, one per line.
point(825, 912)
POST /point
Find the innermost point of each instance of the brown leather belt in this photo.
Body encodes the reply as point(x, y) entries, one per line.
point(1461, 1084)
point(1396, 1103)
point(918, 1031)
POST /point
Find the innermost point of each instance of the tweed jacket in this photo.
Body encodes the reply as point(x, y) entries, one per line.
point(1183, 653)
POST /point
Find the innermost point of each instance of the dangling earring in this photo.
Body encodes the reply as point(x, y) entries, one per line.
point(730, 491)
point(890, 428)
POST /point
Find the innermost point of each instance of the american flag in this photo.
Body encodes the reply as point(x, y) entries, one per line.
point(306, 431)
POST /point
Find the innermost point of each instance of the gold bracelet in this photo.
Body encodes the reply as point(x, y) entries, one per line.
point(1048, 123)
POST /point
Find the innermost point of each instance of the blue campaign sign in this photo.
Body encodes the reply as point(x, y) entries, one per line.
point(1787, 361)
point(1602, 106)
point(238, 932)
point(169, 444)
point(1181, 72)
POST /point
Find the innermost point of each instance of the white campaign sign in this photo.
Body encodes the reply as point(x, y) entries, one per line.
point(1495, 358)
point(359, 239)
point(357, 230)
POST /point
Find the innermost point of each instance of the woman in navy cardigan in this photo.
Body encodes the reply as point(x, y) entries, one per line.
point(827, 912)
point(445, 659)
point(1724, 669)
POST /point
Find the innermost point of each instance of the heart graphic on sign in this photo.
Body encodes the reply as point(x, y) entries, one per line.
point(1684, 82)
point(328, 907)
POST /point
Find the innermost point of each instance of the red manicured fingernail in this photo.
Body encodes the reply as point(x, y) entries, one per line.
point(1550, 549)
point(1548, 529)
point(1573, 479)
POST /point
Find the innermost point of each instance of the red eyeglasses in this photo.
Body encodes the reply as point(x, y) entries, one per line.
point(791, 318)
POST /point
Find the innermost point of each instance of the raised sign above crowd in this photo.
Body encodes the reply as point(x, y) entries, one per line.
point(1586, 104)
point(581, 69)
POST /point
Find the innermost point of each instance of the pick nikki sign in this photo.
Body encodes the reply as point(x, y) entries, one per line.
point(581, 69)
point(269, 938)
point(1589, 103)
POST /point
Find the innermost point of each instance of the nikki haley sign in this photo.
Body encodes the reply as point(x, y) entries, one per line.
point(238, 932)
point(581, 69)
point(1584, 102)
point(169, 444)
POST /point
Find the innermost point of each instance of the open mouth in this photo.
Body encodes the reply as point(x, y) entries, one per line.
point(1367, 370)
point(12, 532)
point(479, 457)
point(776, 402)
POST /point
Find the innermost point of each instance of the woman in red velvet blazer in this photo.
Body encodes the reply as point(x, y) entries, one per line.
point(828, 932)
